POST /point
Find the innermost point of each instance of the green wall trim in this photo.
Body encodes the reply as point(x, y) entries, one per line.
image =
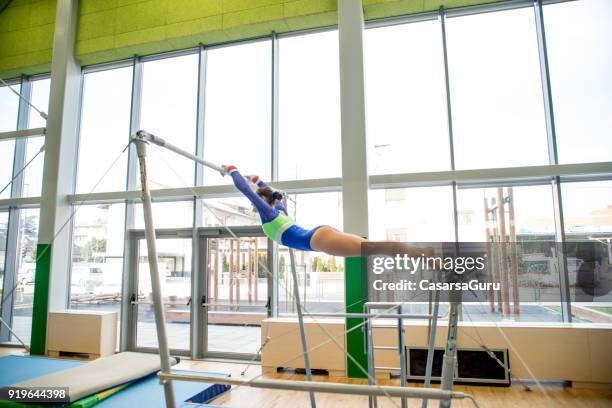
point(111, 30)
point(355, 295)
point(41, 300)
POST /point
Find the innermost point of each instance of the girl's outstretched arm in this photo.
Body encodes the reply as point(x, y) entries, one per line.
point(278, 204)
point(266, 211)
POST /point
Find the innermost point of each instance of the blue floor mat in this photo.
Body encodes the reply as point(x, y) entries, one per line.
point(145, 393)
point(149, 393)
point(14, 369)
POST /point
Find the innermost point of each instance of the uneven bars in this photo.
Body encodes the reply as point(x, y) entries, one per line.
point(313, 386)
point(145, 136)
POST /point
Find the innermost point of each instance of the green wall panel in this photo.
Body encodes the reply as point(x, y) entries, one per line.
point(26, 37)
point(355, 296)
point(41, 299)
point(109, 30)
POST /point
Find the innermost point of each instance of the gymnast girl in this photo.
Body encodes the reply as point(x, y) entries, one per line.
point(279, 227)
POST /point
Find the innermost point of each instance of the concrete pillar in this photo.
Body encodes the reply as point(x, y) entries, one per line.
point(53, 250)
point(354, 169)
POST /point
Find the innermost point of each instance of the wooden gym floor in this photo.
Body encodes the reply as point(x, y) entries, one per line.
point(498, 397)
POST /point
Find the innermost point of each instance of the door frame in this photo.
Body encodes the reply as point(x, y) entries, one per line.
point(198, 325)
point(204, 234)
point(135, 236)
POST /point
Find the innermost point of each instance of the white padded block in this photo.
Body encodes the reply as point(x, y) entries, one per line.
point(100, 374)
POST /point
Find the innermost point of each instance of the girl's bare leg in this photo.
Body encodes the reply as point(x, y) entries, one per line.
point(333, 242)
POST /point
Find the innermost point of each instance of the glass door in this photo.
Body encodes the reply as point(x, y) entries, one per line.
point(237, 291)
point(175, 267)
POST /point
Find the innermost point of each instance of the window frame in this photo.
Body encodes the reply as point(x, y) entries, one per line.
point(552, 173)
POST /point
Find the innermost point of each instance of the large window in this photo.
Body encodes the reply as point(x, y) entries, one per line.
point(518, 227)
point(309, 107)
point(406, 102)
point(578, 38)
point(9, 104)
point(420, 214)
point(96, 273)
point(25, 270)
point(496, 92)
point(320, 276)
point(39, 98)
point(237, 124)
point(171, 214)
point(32, 182)
point(587, 210)
point(169, 102)
point(228, 212)
point(498, 121)
point(105, 128)
point(97, 256)
point(4, 216)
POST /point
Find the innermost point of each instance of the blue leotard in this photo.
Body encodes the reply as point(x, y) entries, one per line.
point(277, 225)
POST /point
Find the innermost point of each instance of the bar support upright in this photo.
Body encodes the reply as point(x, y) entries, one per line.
point(158, 306)
point(298, 305)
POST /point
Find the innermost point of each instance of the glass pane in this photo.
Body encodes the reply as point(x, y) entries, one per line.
point(173, 214)
point(230, 212)
point(97, 258)
point(169, 103)
point(175, 269)
point(3, 237)
point(420, 214)
point(32, 176)
point(40, 99)
point(496, 92)
point(105, 130)
point(309, 107)
point(237, 124)
point(406, 105)
point(320, 276)
point(26, 269)
point(580, 64)
point(238, 289)
point(7, 153)
point(32, 183)
point(587, 212)
point(531, 267)
point(9, 105)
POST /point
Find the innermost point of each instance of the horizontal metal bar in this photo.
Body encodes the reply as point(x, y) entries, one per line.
point(385, 348)
point(306, 31)
point(143, 136)
point(499, 175)
point(232, 305)
point(369, 315)
point(488, 8)
point(230, 43)
point(218, 191)
point(383, 304)
point(170, 54)
point(26, 202)
point(383, 368)
point(586, 178)
point(398, 20)
point(464, 179)
point(105, 66)
point(23, 133)
point(38, 77)
point(325, 387)
point(151, 303)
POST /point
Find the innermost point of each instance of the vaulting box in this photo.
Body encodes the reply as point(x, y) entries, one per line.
point(82, 332)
